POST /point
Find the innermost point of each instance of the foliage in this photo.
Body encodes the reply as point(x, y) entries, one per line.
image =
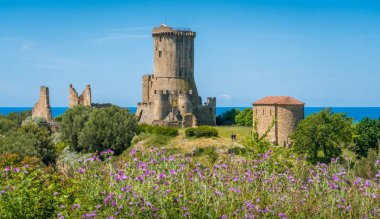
point(201, 131)
point(94, 129)
point(368, 167)
point(7, 125)
point(28, 193)
point(19, 117)
point(71, 125)
point(209, 151)
point(324, 131)
point(367, 136)
point(159, 130)
point(245, 117)
point(237, 151)
point(43, 141)
point(154, 184)
point(227, 118)
point(258, 144)
point(109, 127)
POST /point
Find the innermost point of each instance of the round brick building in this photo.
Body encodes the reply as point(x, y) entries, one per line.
point(286, 111)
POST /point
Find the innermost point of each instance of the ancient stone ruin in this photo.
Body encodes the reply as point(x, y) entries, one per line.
point(84, 99)
point(170, 96)
point(42, 108)
point(286, 111)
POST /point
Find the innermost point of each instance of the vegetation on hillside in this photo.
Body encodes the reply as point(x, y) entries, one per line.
point(101, 164)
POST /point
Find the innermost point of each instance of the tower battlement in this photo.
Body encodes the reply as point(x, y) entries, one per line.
point(164, 30)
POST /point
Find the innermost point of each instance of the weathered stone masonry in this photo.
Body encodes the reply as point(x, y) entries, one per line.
point(170, 96)
point(42, 108)
point(84, 99)
point(286, 111)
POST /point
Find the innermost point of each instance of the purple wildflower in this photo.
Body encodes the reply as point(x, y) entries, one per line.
point(75, 206)
point(6, 169)
point(81, 170)
point(282, 216)
point(173, 172)
point(16, 170)
point(161, 176)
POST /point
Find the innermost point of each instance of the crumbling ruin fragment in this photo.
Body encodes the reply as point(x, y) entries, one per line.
point(84, 99)
point(42, 108)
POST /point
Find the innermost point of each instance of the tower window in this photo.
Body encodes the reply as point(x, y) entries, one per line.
point(160, 53)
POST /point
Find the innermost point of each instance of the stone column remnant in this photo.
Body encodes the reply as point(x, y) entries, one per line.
point(42, 108)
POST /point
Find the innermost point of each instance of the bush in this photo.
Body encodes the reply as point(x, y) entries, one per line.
point(30, 140)
point(159, 130)
point(245, 117)
point(227, 118)
point(87, 129)
point(209, 151)
point(108, 128)
point(71, 125)
point(324, 131)
point(7, 125)
point(367, 167)
point(201, 131)
point(237, 151)
point(367, 135)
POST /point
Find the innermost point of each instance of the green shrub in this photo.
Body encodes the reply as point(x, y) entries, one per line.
point(71, 125)
point(159, 130)
point(367, 136)
point(108, 128)
point(237, 151)
point(30, 140)
point(87, 129)
point(211, 153)
point(201, 131)
point(367, 167)
point(244, 118)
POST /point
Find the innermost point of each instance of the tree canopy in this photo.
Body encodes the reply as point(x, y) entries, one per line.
point(324, 131)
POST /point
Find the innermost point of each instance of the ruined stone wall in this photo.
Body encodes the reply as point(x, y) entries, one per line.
point(42, 108)
point(144, 113)
point(84, 99)
point(287, 118)
point(73, 97)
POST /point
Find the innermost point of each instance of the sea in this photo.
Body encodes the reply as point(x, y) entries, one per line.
point(357, 113)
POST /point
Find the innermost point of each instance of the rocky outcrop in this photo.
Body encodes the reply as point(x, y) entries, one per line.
point(42, 108)
point(84, 99)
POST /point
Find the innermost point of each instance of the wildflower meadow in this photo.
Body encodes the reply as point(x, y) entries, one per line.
point(155, 184)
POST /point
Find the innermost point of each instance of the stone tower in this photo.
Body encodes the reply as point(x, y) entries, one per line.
point(171, 93)
point(286, 111)
point(84, 99)
point(42, 108)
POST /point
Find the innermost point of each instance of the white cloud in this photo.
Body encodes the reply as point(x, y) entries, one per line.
point(225, 96)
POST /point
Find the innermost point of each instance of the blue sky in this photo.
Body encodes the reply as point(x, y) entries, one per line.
point(323, 52)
